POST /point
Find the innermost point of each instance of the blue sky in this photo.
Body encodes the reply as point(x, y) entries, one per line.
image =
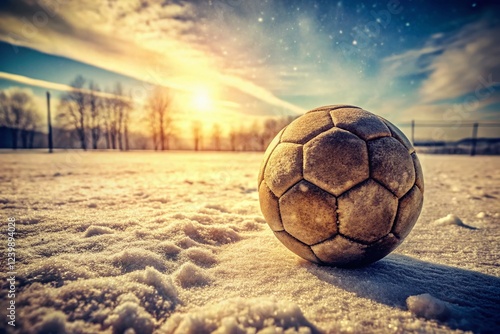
point(424, 60)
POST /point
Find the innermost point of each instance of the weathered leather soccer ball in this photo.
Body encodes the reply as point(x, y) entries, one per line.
point(341, 186)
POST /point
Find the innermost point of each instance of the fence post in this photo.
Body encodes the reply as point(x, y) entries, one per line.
point(413, 132)
point(474, 139)
point(49, 123)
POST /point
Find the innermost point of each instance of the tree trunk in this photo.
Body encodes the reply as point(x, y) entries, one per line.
point(108, 140)
point(125, 132)
point(14, 132)
point(24, 138)
point(162, 133)
point(113, 138)
point(83, 139)
point(119, 137)
point(155, 140)
point(31, 138)
point(94, 142)
point(83, 144)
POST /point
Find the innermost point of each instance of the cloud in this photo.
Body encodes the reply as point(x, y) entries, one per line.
point(455, 64)
point(52, 85)
point(152, 41)
point(464, 65)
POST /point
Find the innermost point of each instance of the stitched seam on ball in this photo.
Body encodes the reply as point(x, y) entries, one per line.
point(415, 169)
point(271, 153)
point(389, 190)
point(314, 184)
point(399, 140)
point(331, 117)
point(361, 242)
point(281, 218)
point(354, 186)
point(314, 254)
point(293, 185)
point(269, 156)
point(328, 108)
point(369, 160)
point(337, 222)
point(385, 236)
point(393, 224)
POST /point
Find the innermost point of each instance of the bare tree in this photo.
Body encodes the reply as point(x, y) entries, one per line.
point(153, 125)
point(110, 121)
point(233, 136)
point(28, 128)
point(126, 120)
point(95, 105)
point(113, 121)
point(120, 109)
point(271, 129)
point(18, 113)
point(73, 110)
point(216, 136)
point(107, 113)
point(161, 122)
point(255, 136)
point(116, 118)
point(197, 135)
point(244, 138)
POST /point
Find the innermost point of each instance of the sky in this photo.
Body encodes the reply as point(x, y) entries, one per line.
point(233, 60)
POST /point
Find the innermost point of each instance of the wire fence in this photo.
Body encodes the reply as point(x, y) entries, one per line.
point(435, 136)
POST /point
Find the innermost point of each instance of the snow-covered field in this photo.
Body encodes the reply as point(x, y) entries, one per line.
point(175, 243)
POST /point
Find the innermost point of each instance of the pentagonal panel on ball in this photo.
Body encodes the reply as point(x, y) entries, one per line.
point(307, 127)
point(362, 123)
point(391, 165)
point(270, 207)
point(284, 168)
point(308, 213)
point(366, 212)
point(299, 248)
point(409, 210)
point(267, 154)
point(339, 251)
point(336, 160)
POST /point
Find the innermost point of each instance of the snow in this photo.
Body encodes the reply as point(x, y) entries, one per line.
point(452, 219)
point(429, 307)
point(175, 243)
point(238, 315)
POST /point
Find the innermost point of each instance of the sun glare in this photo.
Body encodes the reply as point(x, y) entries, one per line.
point(202, 101)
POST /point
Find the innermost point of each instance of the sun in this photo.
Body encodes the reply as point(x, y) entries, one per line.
point(202, 100)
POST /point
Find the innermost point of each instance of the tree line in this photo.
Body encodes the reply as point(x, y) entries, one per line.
point(18, 113)
point(92, 115)
point(102, 119)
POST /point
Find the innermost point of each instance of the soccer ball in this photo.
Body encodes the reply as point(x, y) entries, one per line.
point(341, 186)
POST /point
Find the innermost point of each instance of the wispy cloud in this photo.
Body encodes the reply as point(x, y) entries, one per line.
point(455, 64)
point(154, 42)
point(453, 76)
point(464, 65)
point(54, 86)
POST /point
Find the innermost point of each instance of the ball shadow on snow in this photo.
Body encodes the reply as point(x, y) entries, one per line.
point(472, 298)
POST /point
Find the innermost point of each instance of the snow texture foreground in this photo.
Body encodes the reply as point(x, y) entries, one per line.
point(175, 243)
